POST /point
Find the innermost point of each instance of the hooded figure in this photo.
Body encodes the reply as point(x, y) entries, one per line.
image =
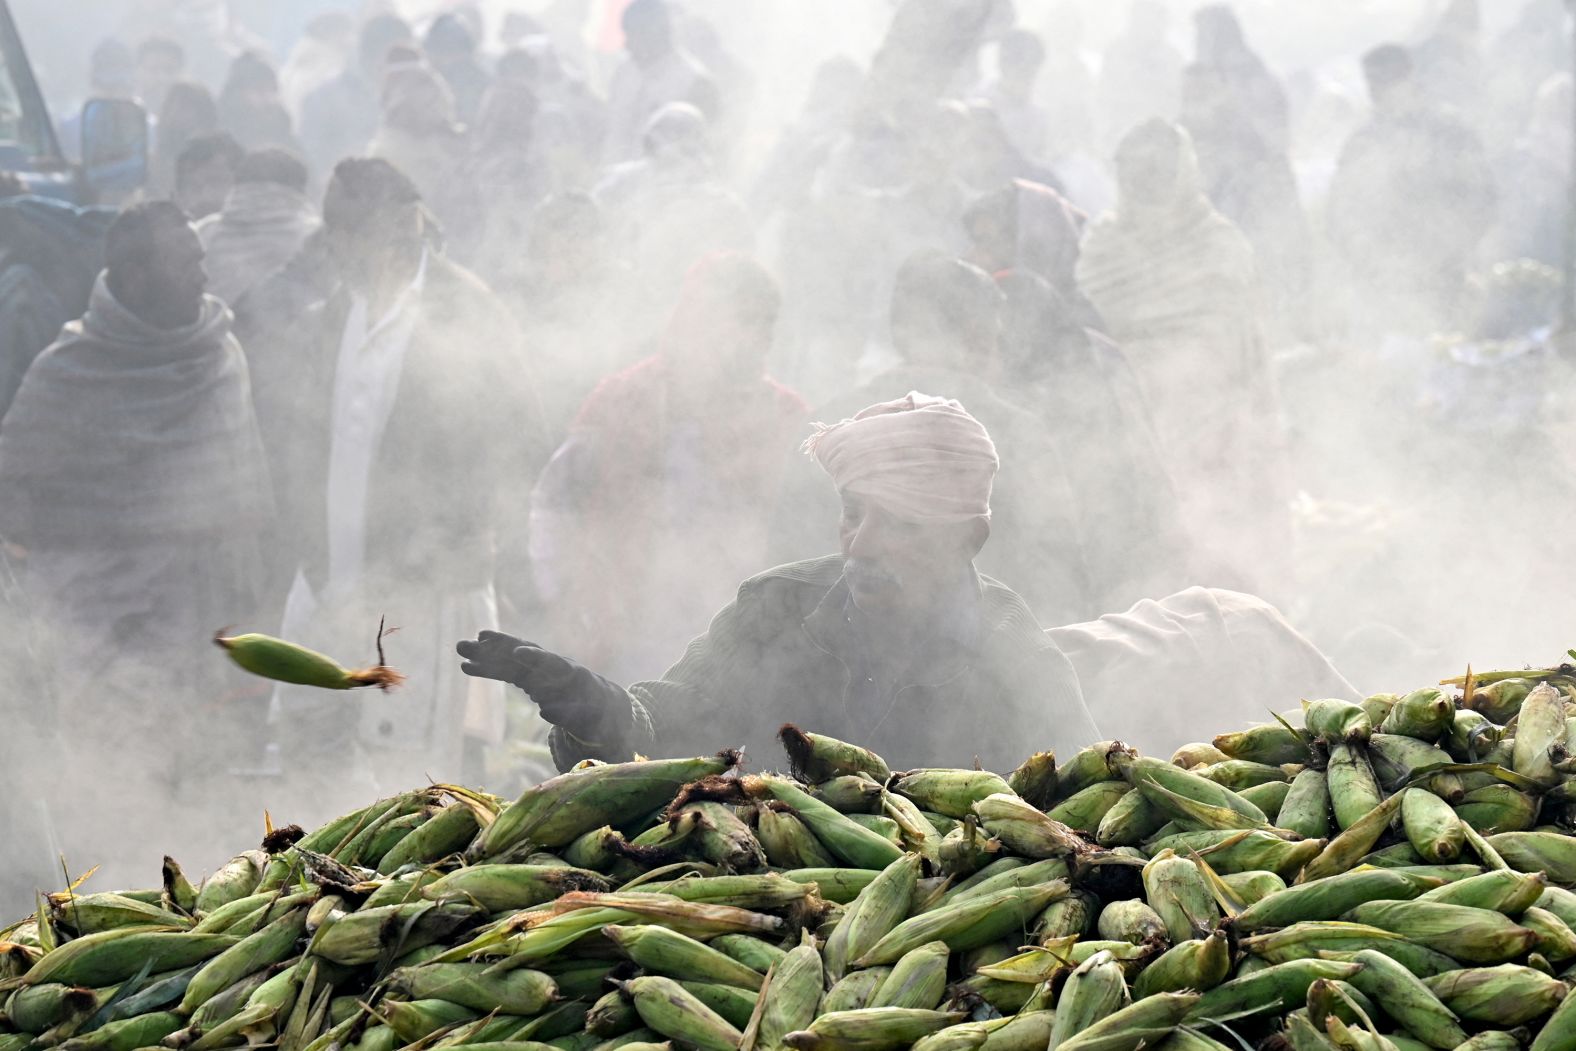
point(676, 456)
point(896, 642)
point(265, 220)
point(1175, 283)
point(421, 136)
point(133, 501)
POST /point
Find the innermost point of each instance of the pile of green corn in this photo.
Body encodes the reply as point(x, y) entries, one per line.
point(1386, 875)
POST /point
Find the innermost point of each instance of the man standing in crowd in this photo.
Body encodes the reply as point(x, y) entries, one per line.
point(133, 501)
point(412, 400)
point(266, 218)
point(897, 642)
point(1412, 197)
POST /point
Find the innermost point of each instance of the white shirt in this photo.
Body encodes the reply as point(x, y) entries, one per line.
point(366, 381)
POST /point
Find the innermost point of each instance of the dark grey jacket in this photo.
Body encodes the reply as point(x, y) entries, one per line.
point(990, 685)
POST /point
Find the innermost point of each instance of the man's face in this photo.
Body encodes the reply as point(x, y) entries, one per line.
point(365, 249)
point(893, 565)
point(166, 290)
point(202, 191)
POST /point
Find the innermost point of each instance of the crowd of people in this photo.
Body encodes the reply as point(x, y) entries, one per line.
point(459, 322)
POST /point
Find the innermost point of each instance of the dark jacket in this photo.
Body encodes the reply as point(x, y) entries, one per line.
point(464, 420)
point(989, 686)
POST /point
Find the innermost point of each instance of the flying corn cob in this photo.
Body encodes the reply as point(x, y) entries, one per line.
point(281, 661)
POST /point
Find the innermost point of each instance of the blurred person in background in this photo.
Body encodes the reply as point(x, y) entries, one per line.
point(249, 105)
point(945, 323)
point(422, 137)
point(161, 64)
point(1141, 74)
point(1519, 62)
point(50, 256)
point(340, 118)
point(205, 173)
point(1221, 50)
point(1084, 391)
point(1449, 61)
point(654, 73)
point(451, 50)
point(326, 44)
point(896, 642)
point(1412, 197)
point(572, 120)
point(266, 218)
point(111, 75)
point(405, 338)
point(672, 207)
point(188, 112)
point(1535, 176)
point(1025, 226)
point(512, 176)
point(134, 500)
point(568, 293)
point(649, 514)
point(1175, 283)
point(1248, 177)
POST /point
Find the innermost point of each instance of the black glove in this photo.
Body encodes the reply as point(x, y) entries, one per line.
point(568, 694)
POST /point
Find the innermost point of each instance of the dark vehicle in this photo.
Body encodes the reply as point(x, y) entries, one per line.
point(114, 134)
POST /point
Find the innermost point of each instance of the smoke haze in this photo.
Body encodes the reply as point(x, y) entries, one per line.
point(1286, 393)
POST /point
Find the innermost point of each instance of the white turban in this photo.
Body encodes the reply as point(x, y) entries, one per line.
point(920, 458)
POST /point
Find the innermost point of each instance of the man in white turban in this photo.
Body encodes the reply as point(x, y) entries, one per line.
point(895, 643)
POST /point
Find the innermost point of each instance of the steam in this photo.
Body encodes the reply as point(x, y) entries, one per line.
point(1416, 516)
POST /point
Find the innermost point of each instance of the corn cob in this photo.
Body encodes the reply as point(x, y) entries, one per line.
point(1407, 1000)
point(281, 661)
point(1336, 720)
point(817, 758)
point(1035, 780)
point(1087, 766)
point(1499, 891)
point(1129, 821)
point(1468, 934)
point(555, 812)
point(1024, 829)
point(1130, 921)
point(1540, 727)
point(1085, 809)
point(1198, 964)
point(1179, 894)
point(793, 995)
point(1140, 1024)
point(1328, 898)
point(1353, 786)
point(949, 792)
point(1270, 743)
point(851, 842)
point(965, 924)
point(1556, 941)
point(1507, 995)
point(918, 978)
point(874, 913)
point(854, 991)
point(1422, 714)
point(1094, 991)
point(1281, 987)
point(870, 1029)
point(1431, 826)
point(1551, 853)
point(849, 794)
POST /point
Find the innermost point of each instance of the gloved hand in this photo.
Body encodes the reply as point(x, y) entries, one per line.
point(568, 694)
